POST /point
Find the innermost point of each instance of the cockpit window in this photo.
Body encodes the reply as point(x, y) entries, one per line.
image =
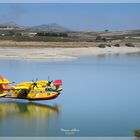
point(49, 89)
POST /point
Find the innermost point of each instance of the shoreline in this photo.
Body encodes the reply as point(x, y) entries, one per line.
point(41, 44)
point(58, 54)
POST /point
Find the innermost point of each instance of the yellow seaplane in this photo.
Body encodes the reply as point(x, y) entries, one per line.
point(34, 90)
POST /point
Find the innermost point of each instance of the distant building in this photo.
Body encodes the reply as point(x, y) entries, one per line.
point(31, 34)
point(126, 37)
point(4, 27)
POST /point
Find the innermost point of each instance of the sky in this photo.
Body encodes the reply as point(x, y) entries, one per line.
point(69, 1)
point(75, 16)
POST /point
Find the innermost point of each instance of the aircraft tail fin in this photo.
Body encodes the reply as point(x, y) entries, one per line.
point(58, 83)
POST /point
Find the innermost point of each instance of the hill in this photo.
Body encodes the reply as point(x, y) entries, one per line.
point(50, 27)
point(11, 25)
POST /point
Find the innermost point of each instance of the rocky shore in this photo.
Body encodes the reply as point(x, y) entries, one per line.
point(61, 53)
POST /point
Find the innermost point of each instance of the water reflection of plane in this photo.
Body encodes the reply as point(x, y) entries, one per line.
point(29, 110)
point(28, 119)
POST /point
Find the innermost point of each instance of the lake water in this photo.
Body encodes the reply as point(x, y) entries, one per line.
point(101, 97)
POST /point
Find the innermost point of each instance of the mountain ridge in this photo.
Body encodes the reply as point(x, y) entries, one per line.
point(50, 27)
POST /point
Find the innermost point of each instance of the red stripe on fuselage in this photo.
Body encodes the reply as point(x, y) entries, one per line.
point(45, 98)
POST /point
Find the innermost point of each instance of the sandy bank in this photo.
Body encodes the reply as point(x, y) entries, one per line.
point(61, 53)
point(10, 43)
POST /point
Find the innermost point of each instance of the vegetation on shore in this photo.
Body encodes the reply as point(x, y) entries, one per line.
point(70, 37)
point(137, 133)
point(56, 33)
point(37, 38)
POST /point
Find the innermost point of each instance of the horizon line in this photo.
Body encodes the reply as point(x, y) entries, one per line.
point(74, 30)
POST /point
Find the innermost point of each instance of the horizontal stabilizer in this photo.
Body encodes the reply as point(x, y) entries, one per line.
point(57, 83)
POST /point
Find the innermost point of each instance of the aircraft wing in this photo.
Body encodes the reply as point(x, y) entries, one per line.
point(20, 87)
point(4, 83)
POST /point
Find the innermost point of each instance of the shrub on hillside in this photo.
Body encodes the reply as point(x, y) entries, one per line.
point(102, 45)
point(98, 38)
point(108, 45)
point(117, 45)
point(129, 45)
point(137, 133)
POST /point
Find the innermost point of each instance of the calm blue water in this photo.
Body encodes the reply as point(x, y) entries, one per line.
point(101, 97)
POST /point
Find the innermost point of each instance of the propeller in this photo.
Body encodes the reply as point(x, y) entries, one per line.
point(35, 83)
point(49, 82)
